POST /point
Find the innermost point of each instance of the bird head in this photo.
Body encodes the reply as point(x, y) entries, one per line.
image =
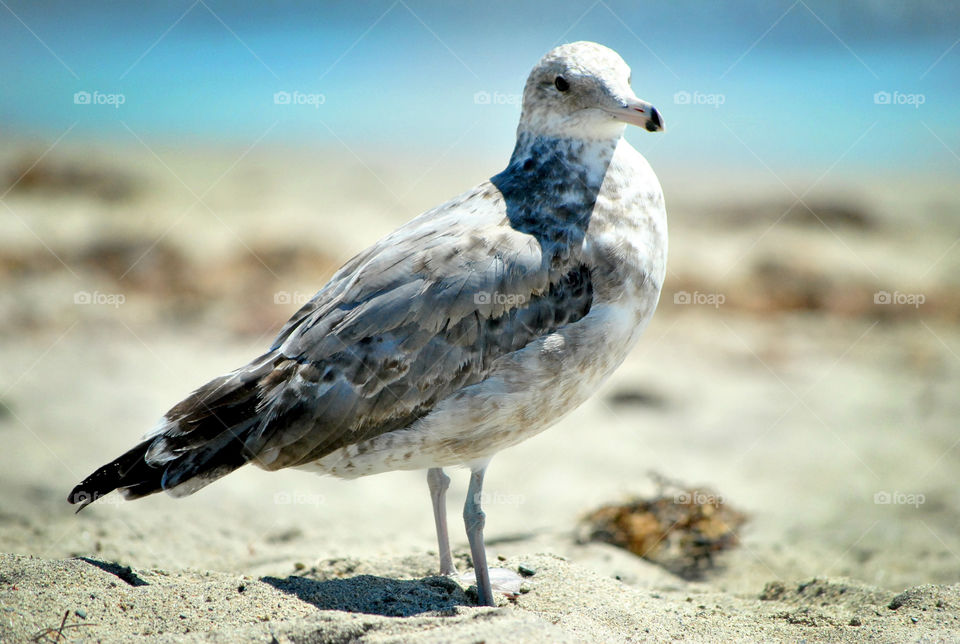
point(582, 90)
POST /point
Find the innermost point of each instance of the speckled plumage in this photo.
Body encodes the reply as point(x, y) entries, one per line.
point(472, 327)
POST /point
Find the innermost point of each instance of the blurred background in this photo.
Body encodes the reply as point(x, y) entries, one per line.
point(177, 178)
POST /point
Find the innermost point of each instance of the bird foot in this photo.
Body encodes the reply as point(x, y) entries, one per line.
point(502, 580)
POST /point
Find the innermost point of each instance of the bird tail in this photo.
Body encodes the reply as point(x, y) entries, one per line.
point(201, 439)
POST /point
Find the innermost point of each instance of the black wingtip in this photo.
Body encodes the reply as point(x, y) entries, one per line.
point(130, 469)
point(217, 416)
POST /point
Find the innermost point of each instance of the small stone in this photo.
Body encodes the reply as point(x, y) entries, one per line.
point(525, 588)
point(183, 616)
point(299, 565)
point(82, 614)
point(914, 619)
point(501, 558)
point(855, 621)
point(241, 588)
point(526, 571)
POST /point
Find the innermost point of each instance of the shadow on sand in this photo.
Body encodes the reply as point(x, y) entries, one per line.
point(125, 573)
point(375, 595)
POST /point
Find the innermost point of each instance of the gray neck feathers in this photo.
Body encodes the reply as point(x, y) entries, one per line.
point(550, 187)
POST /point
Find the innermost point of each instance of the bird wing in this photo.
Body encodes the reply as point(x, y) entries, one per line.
point(421, 314)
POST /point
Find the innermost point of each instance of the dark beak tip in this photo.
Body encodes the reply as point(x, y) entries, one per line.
point(655, 124)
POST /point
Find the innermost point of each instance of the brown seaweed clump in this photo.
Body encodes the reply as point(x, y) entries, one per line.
point(680, 528)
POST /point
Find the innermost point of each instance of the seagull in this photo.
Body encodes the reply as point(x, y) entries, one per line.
point(469, 329)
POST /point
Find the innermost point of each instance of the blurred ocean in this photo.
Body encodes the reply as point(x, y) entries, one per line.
point(785, 84)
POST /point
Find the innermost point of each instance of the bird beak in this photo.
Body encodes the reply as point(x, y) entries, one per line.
point(636, 112)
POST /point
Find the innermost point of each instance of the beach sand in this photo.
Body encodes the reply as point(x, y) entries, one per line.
point(773, 375)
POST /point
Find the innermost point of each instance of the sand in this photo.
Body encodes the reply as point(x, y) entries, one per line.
point(396, 600)
point(826, 417)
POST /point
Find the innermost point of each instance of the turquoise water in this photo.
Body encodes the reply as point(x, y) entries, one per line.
point(405, 75)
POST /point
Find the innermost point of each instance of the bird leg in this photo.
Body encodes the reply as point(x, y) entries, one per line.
point(474, 519)
point(439, 482)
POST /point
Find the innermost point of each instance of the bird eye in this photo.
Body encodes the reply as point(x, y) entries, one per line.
point(561, 83)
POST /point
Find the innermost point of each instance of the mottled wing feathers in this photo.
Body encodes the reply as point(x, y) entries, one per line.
point(423, 315)
point(391, 378)
point(430, 269)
